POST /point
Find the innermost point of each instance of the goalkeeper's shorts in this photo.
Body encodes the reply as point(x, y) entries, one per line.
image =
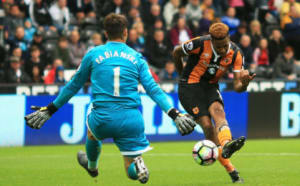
point(124, 126)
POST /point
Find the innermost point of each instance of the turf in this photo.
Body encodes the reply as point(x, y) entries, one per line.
point(261, 162)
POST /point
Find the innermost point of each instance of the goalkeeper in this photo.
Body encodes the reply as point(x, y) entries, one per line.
point(115, 71)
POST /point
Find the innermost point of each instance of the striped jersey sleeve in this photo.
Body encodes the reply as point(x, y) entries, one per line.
point(192, 46)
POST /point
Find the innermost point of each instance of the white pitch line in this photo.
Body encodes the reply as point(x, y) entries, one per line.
point(238, 154)
point(149, 154)
point(269, 154)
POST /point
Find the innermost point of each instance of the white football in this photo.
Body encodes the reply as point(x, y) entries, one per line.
point(205, 152)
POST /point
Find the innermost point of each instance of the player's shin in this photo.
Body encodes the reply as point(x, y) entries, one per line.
point(93, 150)
point(210, 133)
point(224, 134)
point(225, 162)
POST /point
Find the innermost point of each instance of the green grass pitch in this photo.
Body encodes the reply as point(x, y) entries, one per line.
point(260, 162)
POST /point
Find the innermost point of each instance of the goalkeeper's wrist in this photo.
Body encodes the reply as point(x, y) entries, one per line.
point(173, 113)
point(52, 108)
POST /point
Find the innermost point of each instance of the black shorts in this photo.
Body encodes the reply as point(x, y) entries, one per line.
point(196, 98)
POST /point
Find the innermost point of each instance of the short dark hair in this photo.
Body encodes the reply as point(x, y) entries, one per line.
point(181, 6)
point(34, 48)
point(13, 5)
point(288, 49)
point(62, 39)
point(114, 25)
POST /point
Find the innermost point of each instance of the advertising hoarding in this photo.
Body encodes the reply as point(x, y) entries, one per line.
point(67, 126)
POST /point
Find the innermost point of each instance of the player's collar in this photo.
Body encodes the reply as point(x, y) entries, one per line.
point(215, 53)
point(116, 42)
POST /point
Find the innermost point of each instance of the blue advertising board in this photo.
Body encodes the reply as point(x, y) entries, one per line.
point(67, 126)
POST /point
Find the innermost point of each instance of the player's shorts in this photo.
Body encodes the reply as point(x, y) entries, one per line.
point(125, 126)
point(196, 98)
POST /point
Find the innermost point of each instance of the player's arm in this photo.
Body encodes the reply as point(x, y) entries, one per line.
point(178, 54)
point(241, 77)
point(76, 83)
point(187, 48)
point(37, 119)
point(184, 124)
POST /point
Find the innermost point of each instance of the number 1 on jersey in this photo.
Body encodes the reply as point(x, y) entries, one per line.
point(117, 81)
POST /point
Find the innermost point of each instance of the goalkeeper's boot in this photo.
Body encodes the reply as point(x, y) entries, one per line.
point(142, 171)
point(235, 177)
point(233, 146)
point(83, 161)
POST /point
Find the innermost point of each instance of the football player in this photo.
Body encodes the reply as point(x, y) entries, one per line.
point(209, 58)
point(115, 71)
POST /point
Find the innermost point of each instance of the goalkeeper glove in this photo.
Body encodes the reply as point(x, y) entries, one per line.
point(184, 122)
point(37, 119)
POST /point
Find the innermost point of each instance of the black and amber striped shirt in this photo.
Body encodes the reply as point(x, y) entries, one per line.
point(203, 62)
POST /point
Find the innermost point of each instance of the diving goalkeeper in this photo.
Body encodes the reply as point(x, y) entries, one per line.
point(115, 71)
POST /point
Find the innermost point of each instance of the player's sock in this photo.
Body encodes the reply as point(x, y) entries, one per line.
point(225, 162)
point(93, 150)
point(224, 135)
point(83, 162)
point(132, 173)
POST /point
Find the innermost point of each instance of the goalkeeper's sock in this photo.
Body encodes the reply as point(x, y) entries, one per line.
point(225, 162)
point(224, 135)
point(93, 150)
point(132, 173)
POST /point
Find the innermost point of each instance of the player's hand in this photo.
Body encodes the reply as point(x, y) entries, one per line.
point(184, 123)
point(38, 118)
point(246, 77)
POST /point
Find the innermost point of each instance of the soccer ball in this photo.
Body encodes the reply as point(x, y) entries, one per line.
point(205, 152)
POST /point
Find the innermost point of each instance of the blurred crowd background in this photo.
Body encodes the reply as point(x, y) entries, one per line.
point(41, 39)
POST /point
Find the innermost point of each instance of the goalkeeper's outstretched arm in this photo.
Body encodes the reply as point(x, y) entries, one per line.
point(37, 119)
point(76, 83)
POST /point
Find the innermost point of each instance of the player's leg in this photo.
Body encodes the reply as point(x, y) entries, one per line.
point(195, 101)
point(208, 128)
point(216, 111)
point(230, 146)
point(89, 160)
point(132, 142)
point(233, 173)
point(136, 168)
point(211, 134)
point(224, 137)
point(93, 150)
point(225, 162)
